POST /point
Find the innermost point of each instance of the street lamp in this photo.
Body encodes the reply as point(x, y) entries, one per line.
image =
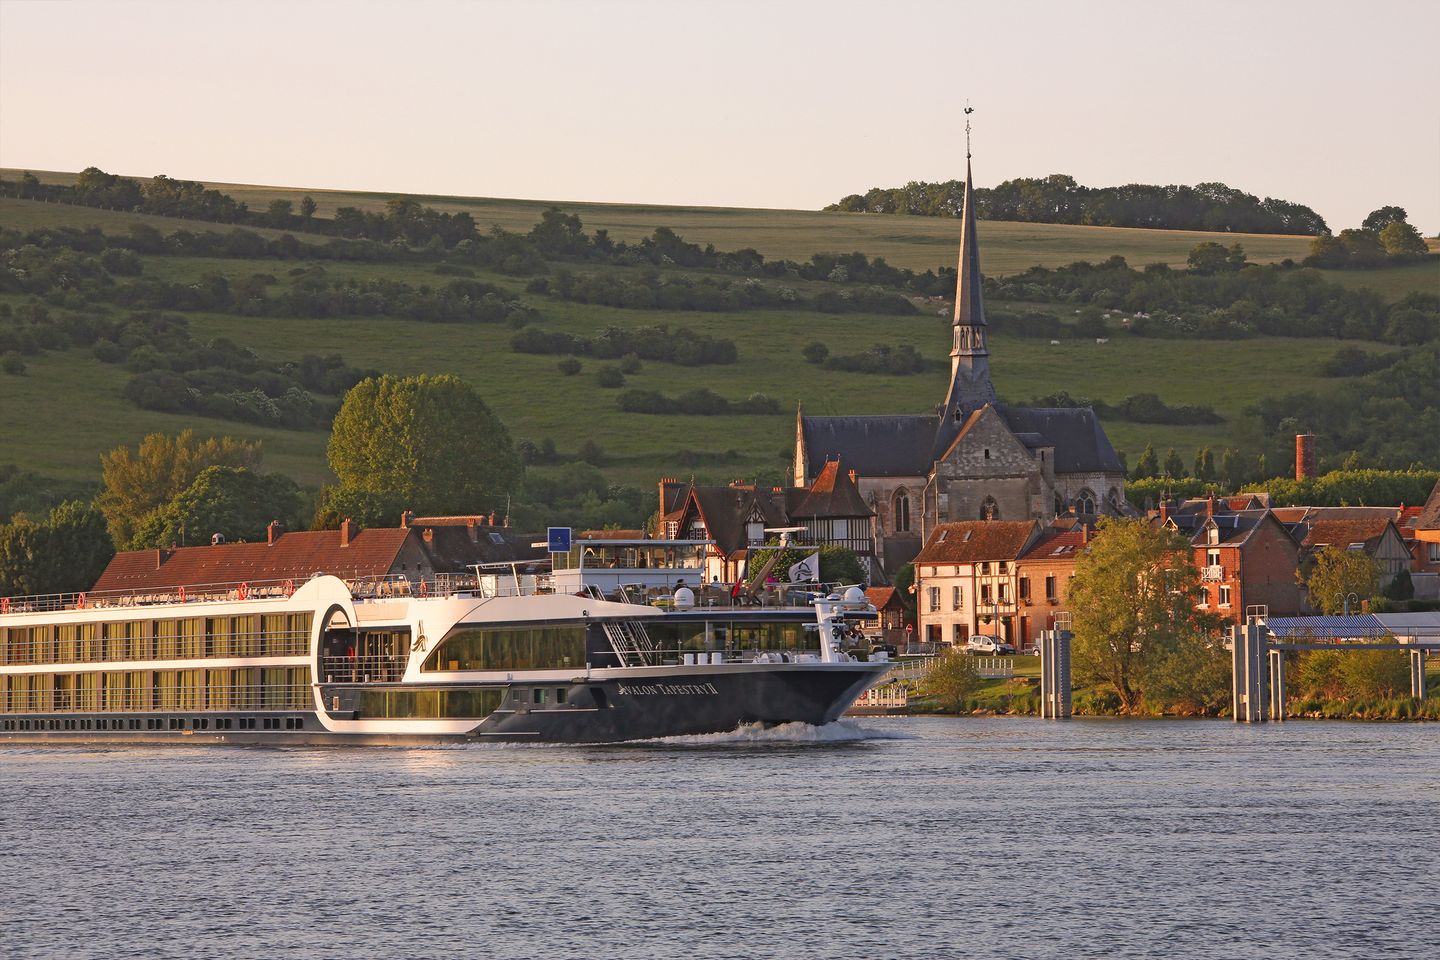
point(1345, 599)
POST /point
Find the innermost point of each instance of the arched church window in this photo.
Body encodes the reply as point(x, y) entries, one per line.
point(902, 511)
point(1059, 504)
point(989, 510)
point(1085, 503)
point(1113, 498)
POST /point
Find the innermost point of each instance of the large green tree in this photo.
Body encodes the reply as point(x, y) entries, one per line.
point(1132, 598)
point(67, 551)
point(951, 678)
point(138, 483)
point(1338, 574)
point(232, 501)
point(429, 442)
point(1402, 240)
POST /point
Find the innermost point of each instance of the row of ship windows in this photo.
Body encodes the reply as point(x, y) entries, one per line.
point(250, 688)
point(155, 723)
point(191, 638)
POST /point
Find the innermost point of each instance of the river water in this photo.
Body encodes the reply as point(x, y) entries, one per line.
point(918, 837)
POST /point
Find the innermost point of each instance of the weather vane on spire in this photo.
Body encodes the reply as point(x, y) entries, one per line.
point(968, 110)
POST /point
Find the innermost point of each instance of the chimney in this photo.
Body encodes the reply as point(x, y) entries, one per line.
point(347, 530)
point(428, 535)
point(160, 557)
point(407, 518)
point(665, 484)
point(507, 520)
point(1164, 510)
point(1304, 456)
point(272, 532)
point(1210, 506)
point(472, 528)
point(1084, 534)
point(853, 478)
point(492, 518)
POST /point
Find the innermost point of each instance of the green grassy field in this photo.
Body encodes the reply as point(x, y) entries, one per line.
point(920, 243)
point(68, 409)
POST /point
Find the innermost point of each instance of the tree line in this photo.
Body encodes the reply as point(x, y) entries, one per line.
point(1059, 199)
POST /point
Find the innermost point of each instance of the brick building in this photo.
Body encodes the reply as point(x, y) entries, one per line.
point(966, 580)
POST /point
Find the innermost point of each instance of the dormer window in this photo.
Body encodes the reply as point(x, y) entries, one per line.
point(1212, 535)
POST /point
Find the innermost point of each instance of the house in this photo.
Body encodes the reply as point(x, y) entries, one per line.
point(830, 510)
point(1246, 559)
point(1425, 528)
point(1377, 537)
point(966, 581)
point(419, 549)
point(970, 457)
point(1043, 574)
point(887, 603)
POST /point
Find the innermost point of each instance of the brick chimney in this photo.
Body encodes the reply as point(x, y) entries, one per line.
point(407, 518)
point(472, 528)
point(1210, 506)
point(665, 484)
point(1164, 510)
point(1084, 534)
point(853, 477)
point(1304, 456)
point(492, 518)
point(347, 530)
point(428, 535)
point(272, 532)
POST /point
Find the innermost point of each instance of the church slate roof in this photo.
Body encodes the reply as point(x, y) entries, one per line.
point(904, 446)
point(833, 494)
point(885, 446)
point(1080, 444)
point(1430, 516)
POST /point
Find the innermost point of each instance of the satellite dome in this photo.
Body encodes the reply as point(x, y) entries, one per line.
point(854, 595)
point(684, 598)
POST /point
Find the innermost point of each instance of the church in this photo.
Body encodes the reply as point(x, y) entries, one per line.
point(972, 457)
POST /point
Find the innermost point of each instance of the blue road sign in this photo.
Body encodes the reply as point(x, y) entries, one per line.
point(559, 538)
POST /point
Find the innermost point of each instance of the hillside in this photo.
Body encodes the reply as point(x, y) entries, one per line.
point(68, 407)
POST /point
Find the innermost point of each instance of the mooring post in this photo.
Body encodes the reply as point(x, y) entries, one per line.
point(1248, 663)
point(1277, 684)
point(1417, 674)
point(1055, 674)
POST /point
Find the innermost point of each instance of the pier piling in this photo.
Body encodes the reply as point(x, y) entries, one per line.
point(1055, 674)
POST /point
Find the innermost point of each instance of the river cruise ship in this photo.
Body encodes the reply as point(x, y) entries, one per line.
point(497, 655)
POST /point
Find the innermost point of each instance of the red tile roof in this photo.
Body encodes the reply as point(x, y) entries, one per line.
point(973, 541)
point(1059, 546)
point(293, 556)
point(879, 597)
point(1342, 533)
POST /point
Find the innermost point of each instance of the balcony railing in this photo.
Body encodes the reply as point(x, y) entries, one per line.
point(1212, 573)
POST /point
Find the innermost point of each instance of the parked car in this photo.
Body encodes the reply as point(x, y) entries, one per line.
point(981, 645)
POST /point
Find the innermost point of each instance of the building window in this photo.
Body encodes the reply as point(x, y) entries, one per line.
point(957, 633)
point(984, 593)
point(1024, 588)
point(955, 597)
point(1050, 587)
point(934, 599)
point(1085, 503)
point(1202, 598)
point(1212, 535)
point(1003, 591)
point(755, 532)
point(1435, 553)
point(989, 510)
point(1224, 594)
point(1212, 558)
point(985, 569)
point(902, 511)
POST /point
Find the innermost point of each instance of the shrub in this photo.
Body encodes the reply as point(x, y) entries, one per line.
point(815, 352)
point(610, 377)
point(12, 364)
point(569, 366)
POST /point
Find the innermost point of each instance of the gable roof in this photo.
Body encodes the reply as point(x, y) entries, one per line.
point(1080, 443)
point(974, 541)
point(1343, 533)
point(1237, 529)
point(1430, 513)
point(293, 556)
point(833, 494)
point(882, 597)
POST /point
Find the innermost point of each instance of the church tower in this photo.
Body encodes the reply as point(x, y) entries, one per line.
point(970, 386)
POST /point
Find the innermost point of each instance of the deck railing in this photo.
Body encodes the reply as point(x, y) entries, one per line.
point(231, 697)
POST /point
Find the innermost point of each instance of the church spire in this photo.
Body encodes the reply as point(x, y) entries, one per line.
point(970, 386)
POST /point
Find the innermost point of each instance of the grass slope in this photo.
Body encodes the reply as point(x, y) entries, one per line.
point(920, 243)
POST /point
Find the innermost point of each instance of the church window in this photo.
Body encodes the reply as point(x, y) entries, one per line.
point(989, 510)
point(902, 511)
point(1059, 505)
point(987, 453)
point(1085, 503)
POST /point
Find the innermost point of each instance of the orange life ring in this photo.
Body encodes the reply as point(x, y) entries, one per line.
point(289, 588)
point(80, 602)
point(243, 591)
point(424, 588)
point(182, 594)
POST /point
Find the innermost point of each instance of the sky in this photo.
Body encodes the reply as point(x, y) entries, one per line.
point(757, 104)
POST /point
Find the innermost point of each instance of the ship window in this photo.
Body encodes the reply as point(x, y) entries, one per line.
point(509, 648)
point(560, 694)
point(539, 697)
point(429, 704)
